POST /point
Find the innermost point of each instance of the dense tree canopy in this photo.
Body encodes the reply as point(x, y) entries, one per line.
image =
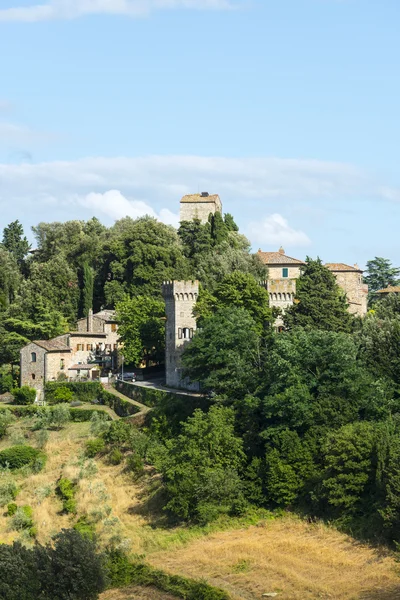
point(319, 302)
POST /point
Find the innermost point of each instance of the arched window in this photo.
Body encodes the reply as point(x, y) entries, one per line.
point(33, 356)
point(187, 333)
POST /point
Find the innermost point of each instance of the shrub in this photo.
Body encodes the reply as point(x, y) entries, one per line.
point(99, 423)
point(66, 489)
point(42, 437)
point(119, 433)
point(135, 465)
point(6, 383)
point(6, 418)
point(8, 492)
point(61, 394)
point(60, 415)
point(115, 456)
point(11, 509)
point(24, 395)
point(20, 456)
point(22, 518)
point(93, 447)
point(85, 527)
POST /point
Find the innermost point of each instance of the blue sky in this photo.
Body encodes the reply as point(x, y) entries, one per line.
point(288, 110)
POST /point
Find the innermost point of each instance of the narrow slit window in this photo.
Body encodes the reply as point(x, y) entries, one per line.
point(33, 357)
point(179, 333)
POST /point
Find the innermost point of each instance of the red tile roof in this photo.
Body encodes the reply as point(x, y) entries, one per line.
point(52, 345)
point(278, 258)
point(342, 267)
point(391, 289)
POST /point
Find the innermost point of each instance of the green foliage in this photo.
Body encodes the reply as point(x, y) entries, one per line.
point(85, 527)
point(380, 274)
point(8, 491)
point(94, 447)
point(319, 302)
point(11, 509)
point(237, 290)
point(142, 329)
point(22, 518)
point(115, 457)
point(122, 573)
point(196, 238)
point(119, 433)
point(88, 288)
point(61, 394)
point(135, 464)
point(66, 490)
point(24, 395)
point(380, 344)
point(6, 418)
point(225, 355)
point(19, 579)
point(15, 242)
point(201, 465)
point(42, 438)
point(20, 456)
point(99, 423)
point(59, 416)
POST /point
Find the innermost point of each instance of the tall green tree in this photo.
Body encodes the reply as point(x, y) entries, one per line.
point(379, 274)
point(225, 356)
point(196, 238)
point(319, 302)
point(219, 230)
point(87, 290)
point(240, 290)
point(142, 329)
point(201, 466)
point(15, 242)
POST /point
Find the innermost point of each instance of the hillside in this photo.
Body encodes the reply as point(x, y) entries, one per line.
point(285, 555)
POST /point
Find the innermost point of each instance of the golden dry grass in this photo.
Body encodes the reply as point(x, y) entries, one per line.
point(295, 559)
point(136, 593)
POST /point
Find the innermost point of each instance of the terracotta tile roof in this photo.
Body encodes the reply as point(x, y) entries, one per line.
point(105, 315)
point(391, 289)
point(278, 258)
point(200, 198)
point(342, 267)
point(52, 345)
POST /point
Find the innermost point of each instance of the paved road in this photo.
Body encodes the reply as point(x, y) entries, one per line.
point(158, 384)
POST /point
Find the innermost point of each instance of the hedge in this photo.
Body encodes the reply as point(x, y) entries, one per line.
point(89, 391)
point(20, 456)
point(78, 415)
point(122, 573)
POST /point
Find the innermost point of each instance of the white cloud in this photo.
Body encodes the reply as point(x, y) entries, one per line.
point(20, 134)
point(116, 206)
point(73, 9)
point(275, 231)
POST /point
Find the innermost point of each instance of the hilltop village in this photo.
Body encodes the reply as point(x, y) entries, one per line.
point(92, 350)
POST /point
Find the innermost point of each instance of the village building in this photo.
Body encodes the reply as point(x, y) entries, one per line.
point(199, 206)
point(89, 353)
point(391, 289)
point(180, 298)
point(284, 270)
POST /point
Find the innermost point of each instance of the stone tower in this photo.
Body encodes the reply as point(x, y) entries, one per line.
point(180, 298)
point(199, 206)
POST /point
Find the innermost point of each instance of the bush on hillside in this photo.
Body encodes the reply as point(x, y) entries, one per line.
point(119, 433)
point(66, 489)
point(93, 447)
point(21, 456)
point(24, 395)
point(6, 418)
point(61, 394)
point(115, 457)
point(8, 492)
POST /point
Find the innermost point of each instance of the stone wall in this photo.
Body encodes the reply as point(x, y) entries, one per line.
point(356, 291)
point(199, 210)
point(56, 363)
point(33, 373)
point(276, 272)
point(180, 298)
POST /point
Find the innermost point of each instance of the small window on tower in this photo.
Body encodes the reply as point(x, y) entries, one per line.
point(285, 272)
point(33, 357)
point(33, 376)
point(113, 327)
point(191, 334)
point(62, 364)
point(179, 333)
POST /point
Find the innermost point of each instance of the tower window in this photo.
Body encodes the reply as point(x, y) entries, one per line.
point(186, 333)
point(62, 364)
point(33, 376)
point(285, 272)
point(33, 357)
point(180, 333)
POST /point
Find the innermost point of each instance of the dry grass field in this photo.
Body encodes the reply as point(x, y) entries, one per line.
point(296, 560)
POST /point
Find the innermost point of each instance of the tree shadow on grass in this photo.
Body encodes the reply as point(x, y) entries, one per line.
point(388, 594)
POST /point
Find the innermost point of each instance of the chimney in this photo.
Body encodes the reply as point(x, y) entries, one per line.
point(90, 320)
point(281, 250)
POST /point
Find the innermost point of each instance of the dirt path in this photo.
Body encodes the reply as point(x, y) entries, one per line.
point(143, 408)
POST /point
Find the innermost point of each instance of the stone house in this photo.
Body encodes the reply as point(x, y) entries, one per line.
point(284, 270)
point(89, 352)
point(199, 206)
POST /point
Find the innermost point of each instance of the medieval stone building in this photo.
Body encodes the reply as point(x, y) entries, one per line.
point(199, 206)
point(284, 270)
point(180, 299)
point(88, 352)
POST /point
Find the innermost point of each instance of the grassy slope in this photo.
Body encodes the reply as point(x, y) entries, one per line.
point(286, 555)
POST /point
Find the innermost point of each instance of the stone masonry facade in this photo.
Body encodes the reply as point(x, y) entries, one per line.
point(199, 206)
point(180, 298)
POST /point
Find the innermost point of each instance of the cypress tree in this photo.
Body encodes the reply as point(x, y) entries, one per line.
point(319, 302)
point(87, 291)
